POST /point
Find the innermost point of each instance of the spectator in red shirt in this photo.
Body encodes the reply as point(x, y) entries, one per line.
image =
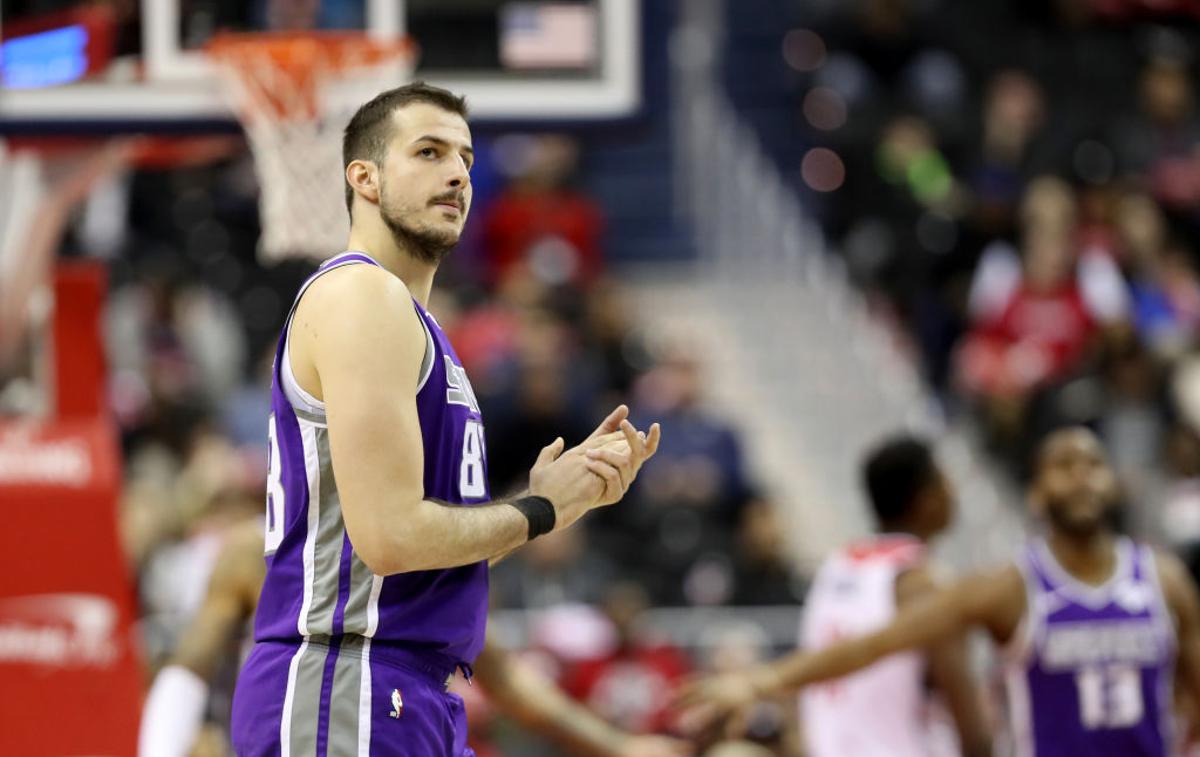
point(539, 220)
point(1036, 332)
point(1034, 318)
point(631, 685)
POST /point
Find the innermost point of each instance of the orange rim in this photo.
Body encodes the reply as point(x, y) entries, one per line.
point(281, 71)
point(307, 50)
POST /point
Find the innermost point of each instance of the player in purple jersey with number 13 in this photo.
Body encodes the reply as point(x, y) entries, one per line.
point(379, 523)
point(1097, 628)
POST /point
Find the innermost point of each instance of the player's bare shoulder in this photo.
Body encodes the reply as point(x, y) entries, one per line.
point(1178, 586)
point(1171, 570)
point(349, 316)
point(353, 296)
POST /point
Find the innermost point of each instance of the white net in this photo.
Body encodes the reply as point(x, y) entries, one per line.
point(294, 108)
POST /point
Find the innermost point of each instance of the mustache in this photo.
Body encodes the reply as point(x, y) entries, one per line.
point(455, 197)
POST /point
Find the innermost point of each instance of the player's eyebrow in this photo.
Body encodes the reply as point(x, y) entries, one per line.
point(443, 143)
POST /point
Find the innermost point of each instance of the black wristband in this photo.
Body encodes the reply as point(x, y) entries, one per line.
point(539, 512)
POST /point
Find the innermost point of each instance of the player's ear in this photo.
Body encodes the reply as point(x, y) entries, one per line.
point(363, 177)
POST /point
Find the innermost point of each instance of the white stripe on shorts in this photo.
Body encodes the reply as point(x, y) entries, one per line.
point(285, 723)
point(373, 606)
point(364, 702)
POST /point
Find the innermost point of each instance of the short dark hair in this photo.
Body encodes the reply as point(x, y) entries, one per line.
point(894, 473)
point(366, 135)
point(1036, 462)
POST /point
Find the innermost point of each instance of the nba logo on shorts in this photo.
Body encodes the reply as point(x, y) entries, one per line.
point(397, 704)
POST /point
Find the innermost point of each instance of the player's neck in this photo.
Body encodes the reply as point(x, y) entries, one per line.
point(382, 246)
point(1091, 558)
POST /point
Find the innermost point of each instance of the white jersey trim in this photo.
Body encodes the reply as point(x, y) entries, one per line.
point(312, 465)
point(301, 399)
point(1090, 596)
point(427, 360)
point(296, 394)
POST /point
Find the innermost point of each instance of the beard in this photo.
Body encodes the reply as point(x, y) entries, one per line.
point(1062, 520)
point(426, 244)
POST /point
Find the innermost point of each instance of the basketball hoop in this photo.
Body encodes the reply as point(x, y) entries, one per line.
point(294, 94)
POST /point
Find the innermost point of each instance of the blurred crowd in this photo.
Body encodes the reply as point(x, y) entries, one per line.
point(551, 341)
point(1021, 201)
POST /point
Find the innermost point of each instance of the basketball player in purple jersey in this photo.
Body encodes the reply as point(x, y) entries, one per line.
point(1096, 626)
point(379, 524)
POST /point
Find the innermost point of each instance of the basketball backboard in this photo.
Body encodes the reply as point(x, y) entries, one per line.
point(83, 69)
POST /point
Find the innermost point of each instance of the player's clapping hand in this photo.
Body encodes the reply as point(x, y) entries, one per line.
point(565, 480)
point(616, 452)
point(596, 472)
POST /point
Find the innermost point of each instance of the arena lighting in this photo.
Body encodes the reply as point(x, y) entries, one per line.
point(825, 109)
point(44, 59)
point(55, 48)
point(804, 50)
point(822, 170)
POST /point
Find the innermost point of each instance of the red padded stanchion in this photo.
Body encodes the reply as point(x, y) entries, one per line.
point(69, 669)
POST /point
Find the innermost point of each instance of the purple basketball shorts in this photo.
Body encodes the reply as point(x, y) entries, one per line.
point(341, 698)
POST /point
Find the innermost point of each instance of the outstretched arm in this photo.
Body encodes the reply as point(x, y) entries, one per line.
point(536, 703)
point(174, 708)
point(949, 669)
point(988, 599)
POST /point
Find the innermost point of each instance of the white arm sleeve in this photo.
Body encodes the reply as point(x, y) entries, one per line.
point(1104, 289)
point(173, 713)
point(997, 276)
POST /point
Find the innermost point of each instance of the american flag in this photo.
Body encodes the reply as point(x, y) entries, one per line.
point(548, 35)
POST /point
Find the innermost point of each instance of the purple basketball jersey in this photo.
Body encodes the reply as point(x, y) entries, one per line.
point(1093, 665)
point(316, 587)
